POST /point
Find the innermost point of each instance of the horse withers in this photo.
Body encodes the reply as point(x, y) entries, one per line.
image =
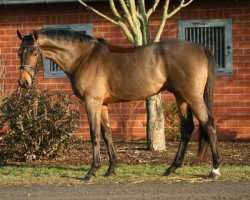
point(100, 77)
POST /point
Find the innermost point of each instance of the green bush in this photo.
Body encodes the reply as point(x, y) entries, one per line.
point(172, 121)
point(38, 124)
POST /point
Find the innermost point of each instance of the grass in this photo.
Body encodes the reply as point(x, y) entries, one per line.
point(15, 175)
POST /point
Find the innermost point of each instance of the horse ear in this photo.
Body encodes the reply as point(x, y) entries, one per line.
point(19, 34)
point(35, 35)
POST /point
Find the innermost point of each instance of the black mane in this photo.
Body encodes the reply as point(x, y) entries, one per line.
point(65, 34)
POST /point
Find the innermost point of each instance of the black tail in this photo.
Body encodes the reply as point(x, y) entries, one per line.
point(208, 98)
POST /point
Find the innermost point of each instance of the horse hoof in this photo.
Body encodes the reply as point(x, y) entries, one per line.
point(109, 173)
point(89, 178)
point(213, 175)
point(167, 172)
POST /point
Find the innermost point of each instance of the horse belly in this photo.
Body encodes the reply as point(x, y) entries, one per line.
point(137, 90)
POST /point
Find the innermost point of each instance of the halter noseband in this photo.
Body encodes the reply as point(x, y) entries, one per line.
point(27, 68)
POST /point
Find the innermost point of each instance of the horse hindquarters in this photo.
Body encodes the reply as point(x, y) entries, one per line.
point(211, 129)
point(208, 98)
point(201, 105)
point(203, 110)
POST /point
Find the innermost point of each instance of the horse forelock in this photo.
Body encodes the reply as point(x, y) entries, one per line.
point(27, 41)
point(65, 34)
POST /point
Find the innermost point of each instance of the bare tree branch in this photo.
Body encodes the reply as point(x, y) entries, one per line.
point(98, 13)
point(127, 32)
point(132, 6)
point(165, 16)
point(122, 25)
point(118, 22)
point(153, 8)
point(114, 10)
point(128, 16)
point(144, 21)
point(133, 12)
point(163, 21)
point(182, 5)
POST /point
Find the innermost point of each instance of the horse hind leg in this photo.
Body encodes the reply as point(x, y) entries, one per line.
point(106, 133)
point(207, 136)
point(187, 127)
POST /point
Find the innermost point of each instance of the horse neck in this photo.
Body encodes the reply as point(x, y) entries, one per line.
point(64, 53)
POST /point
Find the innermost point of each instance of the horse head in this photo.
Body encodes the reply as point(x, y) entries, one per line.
point(30, 58)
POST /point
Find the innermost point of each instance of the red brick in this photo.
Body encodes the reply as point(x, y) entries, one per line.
point(225, 90)
point(219, 111)
point(233, 111)
point(244, 71)
point(245, 123)
point(238, 51)
point(245, 45)
point(246, 64)
point(244, 17)
point(244, 97)
point(247, 90)
point(238, 90)
point(246, 51)
point(232, 123)
point(244, 111)
point(246, 37)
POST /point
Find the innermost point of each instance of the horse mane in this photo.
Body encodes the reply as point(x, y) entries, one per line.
point(65, 34)
point(80, 36)
point(116, 48)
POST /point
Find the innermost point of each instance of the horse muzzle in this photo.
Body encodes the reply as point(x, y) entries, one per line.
point(25, 80)
point(24, 84)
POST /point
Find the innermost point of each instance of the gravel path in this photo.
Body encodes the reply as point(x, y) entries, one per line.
point(140, 191)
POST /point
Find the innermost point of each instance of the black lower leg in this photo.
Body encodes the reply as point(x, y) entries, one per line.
point(178, 158)
point(106, 133)
point(91, 173)
point(112, 160)
point(216, 156)
point(96, 164)
point(187, 127)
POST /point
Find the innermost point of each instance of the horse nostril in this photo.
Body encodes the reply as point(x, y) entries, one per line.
point(26, 84)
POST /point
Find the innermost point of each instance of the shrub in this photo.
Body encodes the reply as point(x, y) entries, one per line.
point(172, 121)
point(38, 124)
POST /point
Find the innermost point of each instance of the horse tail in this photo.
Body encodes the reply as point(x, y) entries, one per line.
point(208, 98)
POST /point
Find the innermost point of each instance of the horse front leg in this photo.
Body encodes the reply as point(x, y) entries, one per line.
point(93, 109)
point(106, 133)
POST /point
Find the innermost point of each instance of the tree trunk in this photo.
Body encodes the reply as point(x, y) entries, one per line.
point(155, 124)
point(155, 118)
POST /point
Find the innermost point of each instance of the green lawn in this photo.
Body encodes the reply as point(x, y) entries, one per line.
point(10, 175)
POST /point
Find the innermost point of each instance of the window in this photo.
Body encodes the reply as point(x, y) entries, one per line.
point(51, 70)
point(216, 35)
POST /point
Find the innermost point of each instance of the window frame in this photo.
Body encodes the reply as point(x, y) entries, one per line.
point(47, 73)
point(228, 52)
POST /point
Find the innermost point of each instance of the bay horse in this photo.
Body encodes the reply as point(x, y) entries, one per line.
point(100, 77)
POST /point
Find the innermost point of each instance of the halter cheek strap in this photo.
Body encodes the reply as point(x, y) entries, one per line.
point(27, 68)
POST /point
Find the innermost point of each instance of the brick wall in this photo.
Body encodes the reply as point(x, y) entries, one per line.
point(128, 120)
